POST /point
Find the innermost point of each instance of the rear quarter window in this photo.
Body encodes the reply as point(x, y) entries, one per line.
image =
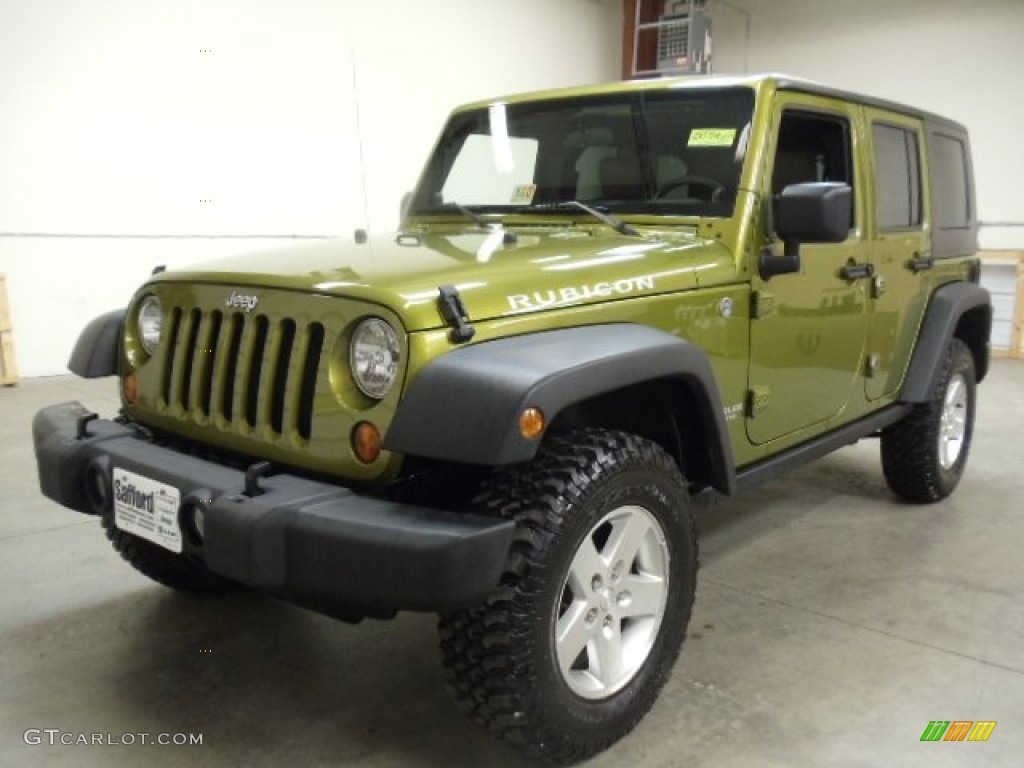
point(951, 202)
point(898, 177)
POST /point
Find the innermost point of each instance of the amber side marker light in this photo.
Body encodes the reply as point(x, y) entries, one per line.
point(130, 385)
point(531, 423)
point(366, 442)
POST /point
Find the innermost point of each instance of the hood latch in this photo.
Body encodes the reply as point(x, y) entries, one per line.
point(454, 313)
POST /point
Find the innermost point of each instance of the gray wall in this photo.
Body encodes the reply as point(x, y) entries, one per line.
point(143, 132)
point(958, 58)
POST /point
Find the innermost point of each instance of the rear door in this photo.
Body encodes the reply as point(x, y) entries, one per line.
point(900, 229)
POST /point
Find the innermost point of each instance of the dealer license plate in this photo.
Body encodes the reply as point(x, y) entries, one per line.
point(147, 508)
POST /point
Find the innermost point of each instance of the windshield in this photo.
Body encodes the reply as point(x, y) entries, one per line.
point(668, 152)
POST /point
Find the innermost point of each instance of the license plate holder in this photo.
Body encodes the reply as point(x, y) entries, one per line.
point(147, 508)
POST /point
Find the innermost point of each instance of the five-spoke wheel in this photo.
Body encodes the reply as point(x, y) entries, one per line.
point(612, 602)
point(575, 645)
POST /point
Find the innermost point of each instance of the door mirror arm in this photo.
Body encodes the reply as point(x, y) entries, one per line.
point(769, 264)
point(814, 212)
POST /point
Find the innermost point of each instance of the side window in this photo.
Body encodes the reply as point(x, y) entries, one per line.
point(810, 148)
point(898, 176)
point(949, 186)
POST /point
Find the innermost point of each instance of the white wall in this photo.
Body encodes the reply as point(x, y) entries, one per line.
point(959, 58)
point(143, 132)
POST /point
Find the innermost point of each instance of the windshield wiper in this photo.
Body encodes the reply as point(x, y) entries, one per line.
point(477, 219)
point(508, 238)
point(615, 223)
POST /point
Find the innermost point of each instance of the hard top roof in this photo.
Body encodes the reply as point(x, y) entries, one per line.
point(758, 82)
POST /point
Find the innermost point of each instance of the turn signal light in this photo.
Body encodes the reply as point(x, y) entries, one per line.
point(366, 442)
point(130, 387)
point(532, 423)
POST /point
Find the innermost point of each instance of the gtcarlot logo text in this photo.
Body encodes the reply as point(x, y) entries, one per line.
point(55, 736)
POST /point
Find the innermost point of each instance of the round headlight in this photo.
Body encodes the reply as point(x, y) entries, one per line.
point(151, 323)
point(374, 357)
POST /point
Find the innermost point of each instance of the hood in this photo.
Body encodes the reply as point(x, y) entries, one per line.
point(497, 276)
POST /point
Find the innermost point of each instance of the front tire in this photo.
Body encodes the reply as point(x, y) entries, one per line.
point(161, 565)
point(573, 648)
point(924, 454)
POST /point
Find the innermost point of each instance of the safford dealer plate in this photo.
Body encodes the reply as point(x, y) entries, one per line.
point(147, 508)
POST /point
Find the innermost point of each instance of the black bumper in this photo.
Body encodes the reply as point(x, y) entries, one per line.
point(318, 544)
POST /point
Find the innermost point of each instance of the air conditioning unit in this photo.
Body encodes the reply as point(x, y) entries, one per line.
point(684, 42)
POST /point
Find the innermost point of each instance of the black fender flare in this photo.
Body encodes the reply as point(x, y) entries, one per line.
point(97, 351)
point(949, 303)
point(465, 406)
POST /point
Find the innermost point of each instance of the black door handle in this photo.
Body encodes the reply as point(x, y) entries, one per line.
point(857, 271)
point(920, 263)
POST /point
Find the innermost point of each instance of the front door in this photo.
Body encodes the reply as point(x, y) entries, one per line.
point(809, 330)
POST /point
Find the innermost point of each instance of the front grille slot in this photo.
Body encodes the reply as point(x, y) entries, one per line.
point(254, 370)
point(231, 366)
point(284, 357)
point(173, 326)
point(255, 373)
point(207, 361)
point(189, 358)
point(310, 365)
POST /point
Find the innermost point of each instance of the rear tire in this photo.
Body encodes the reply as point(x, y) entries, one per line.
point(161, 565)
point(924, 454)
point(572, 649)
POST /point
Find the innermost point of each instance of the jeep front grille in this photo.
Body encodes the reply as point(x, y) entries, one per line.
point(244, 369)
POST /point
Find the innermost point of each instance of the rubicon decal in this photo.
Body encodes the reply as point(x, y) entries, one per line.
point(576, 293)
point(244, 301)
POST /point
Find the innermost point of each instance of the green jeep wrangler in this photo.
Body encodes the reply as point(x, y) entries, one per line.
point(603, 306)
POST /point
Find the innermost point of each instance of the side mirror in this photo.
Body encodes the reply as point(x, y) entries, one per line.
point(814, 212)
point(403, 206)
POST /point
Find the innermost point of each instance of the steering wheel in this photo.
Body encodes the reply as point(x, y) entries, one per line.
point(715, 188)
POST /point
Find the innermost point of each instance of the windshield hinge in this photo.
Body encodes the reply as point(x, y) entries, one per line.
point(454, 313)
point(762, 304)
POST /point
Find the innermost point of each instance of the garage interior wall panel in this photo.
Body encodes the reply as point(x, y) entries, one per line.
point(136, 134)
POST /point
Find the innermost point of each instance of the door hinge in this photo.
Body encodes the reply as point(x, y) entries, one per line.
point(871, 366)
point(757, 400)
point(920, 262)
point(877, 286)
point(762, 304)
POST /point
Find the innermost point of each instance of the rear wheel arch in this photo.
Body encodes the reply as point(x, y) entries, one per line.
point(956, 310)
point(973, 329)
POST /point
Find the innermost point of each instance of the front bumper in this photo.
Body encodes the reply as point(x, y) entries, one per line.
point(318, 544)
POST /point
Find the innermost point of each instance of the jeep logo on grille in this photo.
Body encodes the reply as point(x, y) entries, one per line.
point(242, 301)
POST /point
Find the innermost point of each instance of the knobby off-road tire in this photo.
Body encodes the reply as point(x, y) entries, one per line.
point(572, 649)
point(162, 565)
point(924, 454)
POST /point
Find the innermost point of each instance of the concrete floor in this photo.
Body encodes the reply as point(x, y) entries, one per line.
point(832, 624)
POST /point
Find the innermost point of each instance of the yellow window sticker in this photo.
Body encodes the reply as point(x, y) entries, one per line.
point(522, 194)
point(711, 137)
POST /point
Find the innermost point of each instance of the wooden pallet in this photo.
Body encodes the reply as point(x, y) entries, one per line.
point(1009, 260)
point(8, 364)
